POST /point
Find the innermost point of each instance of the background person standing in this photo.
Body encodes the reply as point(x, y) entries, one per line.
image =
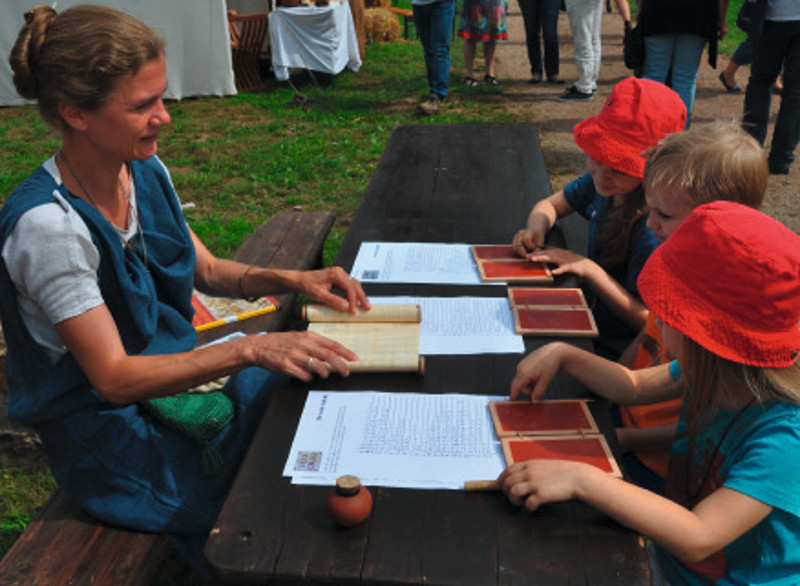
point(778, 46)
point(675, 34)
point(433, 19)
point(541, 26)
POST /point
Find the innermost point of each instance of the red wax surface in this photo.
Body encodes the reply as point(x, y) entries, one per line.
point(587, 449)
point(490, 251)
point(523, 296)
point(558, 319)
point(543, 416)
point(514, 269)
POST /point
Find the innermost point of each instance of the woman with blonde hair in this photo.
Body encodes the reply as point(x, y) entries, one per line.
point(97, 271)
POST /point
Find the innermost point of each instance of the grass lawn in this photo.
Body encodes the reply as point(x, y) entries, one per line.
point(241, 159)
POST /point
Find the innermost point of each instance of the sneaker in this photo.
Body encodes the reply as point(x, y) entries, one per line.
point(573, 95)
point(430, 105)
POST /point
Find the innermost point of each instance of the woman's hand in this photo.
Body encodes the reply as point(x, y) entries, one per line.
point(536, 371)
point(300, 354)
point(567, 261)
point(535, 482)
point(317, 285)
point(527, 241)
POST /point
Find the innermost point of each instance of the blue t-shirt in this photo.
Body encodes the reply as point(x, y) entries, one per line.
point(755, 452)
point(615, 334)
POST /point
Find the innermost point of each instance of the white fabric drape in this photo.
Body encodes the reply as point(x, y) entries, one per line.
point(320, 38)
point(198, 50)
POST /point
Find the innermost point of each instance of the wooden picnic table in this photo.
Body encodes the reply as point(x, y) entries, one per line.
point(459, 183)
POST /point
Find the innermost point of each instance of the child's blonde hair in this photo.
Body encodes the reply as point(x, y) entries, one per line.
point(713, 378)
point(709, 162)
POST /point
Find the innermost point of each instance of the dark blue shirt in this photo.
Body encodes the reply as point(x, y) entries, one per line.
point(615, 334)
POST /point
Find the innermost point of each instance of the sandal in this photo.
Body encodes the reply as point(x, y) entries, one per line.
point(470, 81)
point(490, 80)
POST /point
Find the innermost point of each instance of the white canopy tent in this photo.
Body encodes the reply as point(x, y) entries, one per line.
point(198, 50)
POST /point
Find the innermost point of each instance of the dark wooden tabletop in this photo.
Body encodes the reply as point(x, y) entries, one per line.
point(458, 183)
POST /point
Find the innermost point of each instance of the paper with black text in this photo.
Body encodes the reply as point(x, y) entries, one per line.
point(406, 440)
point(462, 325)
point(416, 262)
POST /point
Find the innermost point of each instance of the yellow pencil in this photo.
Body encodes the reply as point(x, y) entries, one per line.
point(231, 319)
point(480, 485)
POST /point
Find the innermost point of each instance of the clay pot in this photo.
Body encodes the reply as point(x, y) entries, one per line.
point(348, 502)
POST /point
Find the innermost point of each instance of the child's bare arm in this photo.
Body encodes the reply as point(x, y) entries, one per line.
point(541, 218)
point(648, 439)
point(690, 535)
point(627, 307)
point(604, 377)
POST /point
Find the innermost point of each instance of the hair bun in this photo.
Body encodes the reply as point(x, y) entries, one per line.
point(25, 54)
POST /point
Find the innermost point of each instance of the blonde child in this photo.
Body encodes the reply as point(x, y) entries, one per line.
point(725, 287)
point(715, 161)
point(637, 115)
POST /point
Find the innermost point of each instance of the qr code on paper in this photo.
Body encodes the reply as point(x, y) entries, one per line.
point(308, 461)
point(370, 275)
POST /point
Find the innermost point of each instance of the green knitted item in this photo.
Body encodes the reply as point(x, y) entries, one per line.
point(200, 416)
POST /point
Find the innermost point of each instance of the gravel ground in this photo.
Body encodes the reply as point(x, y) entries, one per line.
point(555, 120)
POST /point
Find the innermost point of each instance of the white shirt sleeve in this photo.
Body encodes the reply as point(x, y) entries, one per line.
point(53, 263)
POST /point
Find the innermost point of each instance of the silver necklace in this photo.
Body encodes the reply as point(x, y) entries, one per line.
point(136, 217)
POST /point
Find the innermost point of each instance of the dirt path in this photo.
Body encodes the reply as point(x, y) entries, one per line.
point(537, 103)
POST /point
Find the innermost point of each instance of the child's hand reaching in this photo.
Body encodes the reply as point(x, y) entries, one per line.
point(567, 261)
point(535, 372)
point(527, 241)
point(535, 482)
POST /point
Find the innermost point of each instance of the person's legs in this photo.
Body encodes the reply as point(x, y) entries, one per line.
point(469, 58)
point(548, 9)
point(767, 62)
point(596, 15)
point(658, 57)
point(433, 22)
point(489, 49)
point(442, 16)
point(686, 56)
point(580, 13)
point(742, 56)
point(787, 125)
point(422, 22)
point(531, 10)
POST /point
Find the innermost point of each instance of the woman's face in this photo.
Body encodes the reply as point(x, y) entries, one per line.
point(667, 211)
point(609, 182)
point(127, 125)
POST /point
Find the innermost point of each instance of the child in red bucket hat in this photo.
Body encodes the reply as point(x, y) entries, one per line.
point(637, 115)
point(711, 162)
point(726, 288)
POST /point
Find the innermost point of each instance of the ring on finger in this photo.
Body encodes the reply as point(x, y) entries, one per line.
point(310, 361)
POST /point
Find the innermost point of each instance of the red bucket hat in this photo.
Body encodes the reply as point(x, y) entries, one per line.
point(638, 114)
point(729, 279)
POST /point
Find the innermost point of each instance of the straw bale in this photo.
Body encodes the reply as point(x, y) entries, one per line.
point(381, 26)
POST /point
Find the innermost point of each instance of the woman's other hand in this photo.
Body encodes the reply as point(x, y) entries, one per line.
point(301, 354)
point(317, 285)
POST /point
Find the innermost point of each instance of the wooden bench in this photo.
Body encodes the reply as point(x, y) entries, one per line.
point(63, 545)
